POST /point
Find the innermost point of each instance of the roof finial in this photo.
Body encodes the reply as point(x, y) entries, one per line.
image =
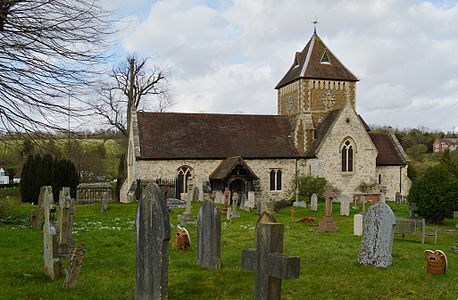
point(315, 21)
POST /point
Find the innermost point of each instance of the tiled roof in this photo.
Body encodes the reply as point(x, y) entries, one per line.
point(214, 136)
point(388, 154)
point(227, 165)
point(307, 64)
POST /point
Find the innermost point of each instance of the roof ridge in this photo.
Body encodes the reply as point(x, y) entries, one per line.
point(210, 114)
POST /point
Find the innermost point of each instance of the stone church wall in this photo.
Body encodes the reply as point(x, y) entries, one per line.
point(395, 179)
point(346, 126)
point(201, 169)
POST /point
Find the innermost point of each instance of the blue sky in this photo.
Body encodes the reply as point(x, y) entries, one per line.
point(227, 56)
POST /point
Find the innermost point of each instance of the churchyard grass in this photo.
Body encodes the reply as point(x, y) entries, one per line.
point(329, 267)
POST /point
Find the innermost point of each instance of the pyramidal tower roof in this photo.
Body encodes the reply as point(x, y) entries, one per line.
point(318, 62)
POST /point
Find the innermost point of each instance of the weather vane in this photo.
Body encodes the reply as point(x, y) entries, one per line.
point(314, 22)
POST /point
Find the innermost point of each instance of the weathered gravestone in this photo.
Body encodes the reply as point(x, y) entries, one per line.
point(187, 217)
point(327, 224)
point(268, 262)
point(302, 204)
point(244, 202)
point(314, 202)
point(195, 194)
point(65, 222)
point(235, 201)
point(153, 235)
point(37, 215)
point(377, 240)
point(52, 266)
point(251, 199)
point(218, 197)
point(76, 262)
point(436, 262)
point(104, 202)
point(344, 205)
point(209, 237)
point(227, 196)
point(175, 203)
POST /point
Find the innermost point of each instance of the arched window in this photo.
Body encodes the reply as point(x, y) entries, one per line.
point(275, 180)
point(347, 156)
point(184, 173)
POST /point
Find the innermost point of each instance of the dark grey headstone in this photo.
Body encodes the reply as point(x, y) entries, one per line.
point(268, 262)
point(377, 240)
point(209, 237)
point(153, 235)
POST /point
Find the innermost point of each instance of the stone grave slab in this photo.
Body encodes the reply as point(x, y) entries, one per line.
point(209, 237)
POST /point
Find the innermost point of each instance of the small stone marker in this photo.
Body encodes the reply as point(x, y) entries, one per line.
point(153, 235)
point(209, 237)
point(314, 202)
point(302, 204)
point(76, 262)
point(187, 217)
point(358, 224)
point(268, 262)
point(327, 224)
point(235, 201)
point(377, 240)
point(52, 264)
point(344, 205)
point(437, 262)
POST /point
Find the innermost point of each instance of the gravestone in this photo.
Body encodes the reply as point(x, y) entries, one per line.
point(244, 203)
point(302, 204)
point(455, 248)
point(187, 217)
point(377, 240)
point(195, 194)
point(327, 224)
point(209, 237)
point(268, 262)
point(329, 193)
point(76, 262)
point(37, 215)
point(413, 210)
point(235, 200)
point(436, 262)
point(218, 197)
point(175, 203)
point(266, 217)
point(227, 196)
point(52, 264)
point(344, 205)
point(251, 199)
point(104, 202)
point(314, 202)
point(358, 224)
point(153, 235)
point(65, 222)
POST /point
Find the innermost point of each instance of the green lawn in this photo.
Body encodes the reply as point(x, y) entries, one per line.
point(329, 268)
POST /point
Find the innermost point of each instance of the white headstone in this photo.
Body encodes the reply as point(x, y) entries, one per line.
point(300, 204)
point(344, 205)
point(314, 202)
point(377, 240)
point(358, 224)
point(219, 197)
point(250, 203)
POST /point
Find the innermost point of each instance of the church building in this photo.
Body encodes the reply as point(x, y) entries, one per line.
point(316, 132)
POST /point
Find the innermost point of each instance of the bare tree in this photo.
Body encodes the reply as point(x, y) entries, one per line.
point(133, 83)
point(49, 50)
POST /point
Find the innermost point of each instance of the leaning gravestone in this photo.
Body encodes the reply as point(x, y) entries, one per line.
point(377, 240)
point(52, 264)
point(344, 205)
point(314, 202)
point(153, 235)
point(268, 262)
point(209, 237)
point(76, 262)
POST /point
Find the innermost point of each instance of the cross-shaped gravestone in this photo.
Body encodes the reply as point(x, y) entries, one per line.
point(327, 224)
point(268, 262)
point(153, 236)
point(209, 237)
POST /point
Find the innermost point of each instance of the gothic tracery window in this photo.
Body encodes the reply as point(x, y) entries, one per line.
point(184, 173)
point(347, 156)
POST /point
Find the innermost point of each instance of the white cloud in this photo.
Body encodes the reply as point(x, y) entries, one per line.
point(229, 58)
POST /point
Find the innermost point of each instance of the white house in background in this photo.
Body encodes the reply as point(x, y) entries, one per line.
point(4, 178)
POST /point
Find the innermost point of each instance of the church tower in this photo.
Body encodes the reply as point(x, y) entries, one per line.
point(316, 83)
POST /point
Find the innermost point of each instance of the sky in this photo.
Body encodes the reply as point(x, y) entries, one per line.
point(227, 56)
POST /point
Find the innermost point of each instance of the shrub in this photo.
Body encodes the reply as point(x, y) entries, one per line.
point(308, 185)
point(435, 194)
point(39, 171)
